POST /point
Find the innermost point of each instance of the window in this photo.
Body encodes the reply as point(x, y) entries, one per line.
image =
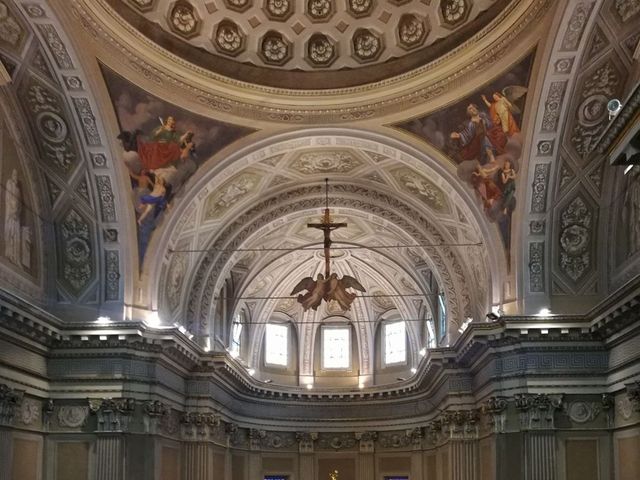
point(336, 347)
point(395, 343)
point(236, 336)
point(442, 316)
point(277, 345)
point(431, 333)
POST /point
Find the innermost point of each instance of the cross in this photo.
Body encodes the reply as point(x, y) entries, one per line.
point(327, 227)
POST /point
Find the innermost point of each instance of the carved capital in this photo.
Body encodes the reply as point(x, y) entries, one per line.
point(306, 441)
point(112, 413)
point(537, 412)
point(633, 393)
point(496, 411)
point(10, 399)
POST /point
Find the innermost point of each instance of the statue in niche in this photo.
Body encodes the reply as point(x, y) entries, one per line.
point(26, 247)
point(631, 211)
point(12, 229)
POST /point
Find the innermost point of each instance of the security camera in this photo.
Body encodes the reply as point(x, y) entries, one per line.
point(614, 106)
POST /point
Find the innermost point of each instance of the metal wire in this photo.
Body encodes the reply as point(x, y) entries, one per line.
point(347, 247)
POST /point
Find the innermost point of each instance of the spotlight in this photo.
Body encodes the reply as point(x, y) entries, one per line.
point(414, 370)
point(103, 319)
point(423, 351)
point(614, 106)
point(251, 371)
point(309, 386)
point(268, 380)
point(493, 317)
point(401, 379)
point(544, 312)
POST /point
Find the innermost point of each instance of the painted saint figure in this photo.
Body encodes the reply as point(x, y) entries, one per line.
point(500, 112)
point(12, 230)
point(473, 137)
point(166, 147)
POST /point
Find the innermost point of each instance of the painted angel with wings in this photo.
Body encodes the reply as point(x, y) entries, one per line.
point(502, 108)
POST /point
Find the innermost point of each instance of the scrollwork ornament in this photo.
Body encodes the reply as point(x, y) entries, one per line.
point(575, 238)
point(72, 416)
point(627, 9)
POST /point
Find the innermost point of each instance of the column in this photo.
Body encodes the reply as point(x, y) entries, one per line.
point(463, 460)
point(540, 456)
point(109, 457)
point(366, 466)
point(307, 466)
point(255, 466)
point(5, 454)
point(197, 461)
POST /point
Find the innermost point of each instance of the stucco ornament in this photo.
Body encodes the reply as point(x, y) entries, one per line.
point(575, 239)
point(229, 38)
point(366, 45)
point(183, 19)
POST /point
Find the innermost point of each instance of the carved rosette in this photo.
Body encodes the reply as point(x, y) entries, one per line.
point(228, 38)
point(238, 5)
point(275, 49)
point(454, 12)
point(360, 8)
point(320, 10)
point(412, 31)
point(321, 50)
point(279, 10)
point(576, 224)
point(183, 19)
point(367, 45)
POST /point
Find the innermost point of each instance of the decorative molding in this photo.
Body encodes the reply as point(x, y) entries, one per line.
point(536, 267)
point(539, 187)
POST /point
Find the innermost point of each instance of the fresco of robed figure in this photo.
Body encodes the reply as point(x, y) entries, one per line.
point(481, 135)
point(163, 145)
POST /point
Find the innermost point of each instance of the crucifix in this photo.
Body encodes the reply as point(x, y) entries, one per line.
point(327, 226)
point(327, 287)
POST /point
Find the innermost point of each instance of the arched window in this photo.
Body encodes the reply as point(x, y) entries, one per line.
point(395, 343)
point(277, 344)
point(236, 335)
point(336, 347)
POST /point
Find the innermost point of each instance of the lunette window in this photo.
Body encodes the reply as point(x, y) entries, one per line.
point(336, 347)
point(277, 344)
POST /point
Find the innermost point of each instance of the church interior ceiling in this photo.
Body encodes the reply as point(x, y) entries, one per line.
point(164, 153)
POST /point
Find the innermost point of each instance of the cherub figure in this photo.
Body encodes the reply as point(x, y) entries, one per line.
point(315, 291)
point(154, 201)
point(337, 290)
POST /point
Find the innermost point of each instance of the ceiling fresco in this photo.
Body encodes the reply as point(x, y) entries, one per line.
point(481, 134)
point(163, 146)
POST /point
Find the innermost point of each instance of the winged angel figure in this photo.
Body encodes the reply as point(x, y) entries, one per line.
point(327, 289)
